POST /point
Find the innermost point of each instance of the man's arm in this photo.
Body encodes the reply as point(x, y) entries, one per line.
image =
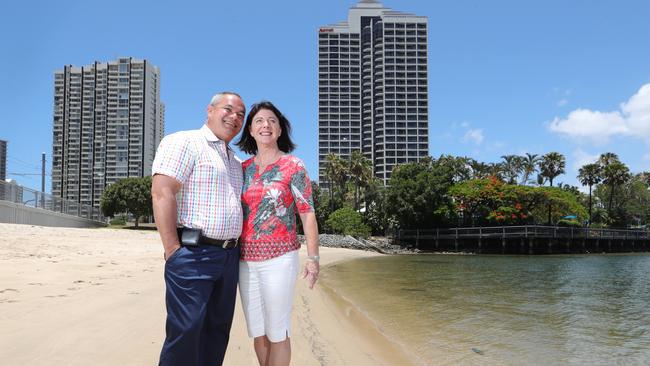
point(163, 196)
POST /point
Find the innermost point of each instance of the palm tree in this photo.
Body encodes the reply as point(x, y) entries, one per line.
point(459, 166)
point(607, 158)
point(590, 175)
point(512, 167)
point(360, 169)
point(550, 166)
point(496, 170)
point(529, 166)
point(644, 177)
point(337, 175)
point(478, 169)
point(615, 174)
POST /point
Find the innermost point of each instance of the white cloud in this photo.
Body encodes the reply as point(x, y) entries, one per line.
point(474, 135)
point(471, 135)
point(581, 158)
point(633, 119)
point(562, 102)
point(590, 125)
point(637, 112)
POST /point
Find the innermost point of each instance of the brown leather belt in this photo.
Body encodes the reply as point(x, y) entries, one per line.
point(204, 240)
point(225, 244)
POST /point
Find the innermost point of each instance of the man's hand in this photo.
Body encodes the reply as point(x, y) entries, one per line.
point(171, 250)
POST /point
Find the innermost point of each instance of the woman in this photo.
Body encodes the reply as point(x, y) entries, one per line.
point(276, 186)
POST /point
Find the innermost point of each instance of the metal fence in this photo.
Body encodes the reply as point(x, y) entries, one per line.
point(31, 198)
point(529, 231)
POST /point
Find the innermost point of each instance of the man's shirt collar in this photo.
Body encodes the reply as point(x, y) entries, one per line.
point(209, 135)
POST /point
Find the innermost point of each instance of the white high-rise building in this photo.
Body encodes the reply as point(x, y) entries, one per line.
point(108, 122)
point(373, 88)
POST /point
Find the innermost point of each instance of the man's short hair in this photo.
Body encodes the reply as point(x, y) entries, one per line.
point(217, 97)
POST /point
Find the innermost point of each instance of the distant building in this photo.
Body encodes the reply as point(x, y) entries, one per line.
point(160, 128)
point(108, 122)
point(3, 160)
point(11, 191)
point(373, 88)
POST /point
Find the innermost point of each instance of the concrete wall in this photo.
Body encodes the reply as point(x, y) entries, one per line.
point(14, 213)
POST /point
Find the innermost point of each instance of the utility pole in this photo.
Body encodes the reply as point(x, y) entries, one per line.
point(43, 172)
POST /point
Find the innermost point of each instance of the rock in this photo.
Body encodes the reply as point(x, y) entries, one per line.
point(375, 243)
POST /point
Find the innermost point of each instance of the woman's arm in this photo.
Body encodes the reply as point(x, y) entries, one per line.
point(312, 266)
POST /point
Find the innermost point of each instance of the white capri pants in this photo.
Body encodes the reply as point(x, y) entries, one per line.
point(267, 289)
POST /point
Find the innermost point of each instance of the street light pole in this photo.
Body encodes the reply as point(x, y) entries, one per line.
point(43, 172)
point(43, 180)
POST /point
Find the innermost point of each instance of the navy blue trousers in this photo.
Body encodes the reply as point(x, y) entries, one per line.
point(201, 289)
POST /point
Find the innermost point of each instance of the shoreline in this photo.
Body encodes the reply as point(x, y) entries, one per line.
point(96, 296)
point(388, 349)
point(354, 338)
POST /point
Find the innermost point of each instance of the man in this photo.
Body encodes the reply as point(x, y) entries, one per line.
point(196, 190)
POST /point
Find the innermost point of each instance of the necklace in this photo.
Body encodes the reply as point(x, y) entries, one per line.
point(263, 165)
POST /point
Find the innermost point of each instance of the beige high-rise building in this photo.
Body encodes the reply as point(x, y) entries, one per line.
point(108, 122)
point(373, 88)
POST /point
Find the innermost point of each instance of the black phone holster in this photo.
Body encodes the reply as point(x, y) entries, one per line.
point(189, 237)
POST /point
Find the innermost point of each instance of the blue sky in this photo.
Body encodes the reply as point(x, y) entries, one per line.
point(505, 77)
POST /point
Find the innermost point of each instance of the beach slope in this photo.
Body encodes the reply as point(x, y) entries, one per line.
point(96, 297)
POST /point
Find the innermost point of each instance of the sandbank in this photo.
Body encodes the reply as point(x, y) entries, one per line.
point(96, 297)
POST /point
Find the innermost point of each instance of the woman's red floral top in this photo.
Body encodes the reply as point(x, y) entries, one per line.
point(270, 200)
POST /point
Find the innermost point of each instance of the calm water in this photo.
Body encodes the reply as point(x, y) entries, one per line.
point(506, 310)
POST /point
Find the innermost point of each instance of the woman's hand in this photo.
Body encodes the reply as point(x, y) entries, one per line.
point(312, 268)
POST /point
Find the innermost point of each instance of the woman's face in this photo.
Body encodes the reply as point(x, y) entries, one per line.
point(265, 127)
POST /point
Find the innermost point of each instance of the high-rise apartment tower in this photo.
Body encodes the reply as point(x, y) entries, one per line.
point(108, 122)
point(3, 160)
point(373, 89)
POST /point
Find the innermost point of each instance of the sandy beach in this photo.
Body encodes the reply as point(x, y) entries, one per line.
point(96, 297)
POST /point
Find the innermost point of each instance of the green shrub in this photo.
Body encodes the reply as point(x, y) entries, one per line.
point(346, 221)
point(569, 223)
point(118, 220)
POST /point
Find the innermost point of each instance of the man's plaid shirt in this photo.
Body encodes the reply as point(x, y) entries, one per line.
point(211, 179)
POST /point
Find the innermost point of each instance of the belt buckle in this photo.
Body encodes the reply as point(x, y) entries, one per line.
point(229, 243)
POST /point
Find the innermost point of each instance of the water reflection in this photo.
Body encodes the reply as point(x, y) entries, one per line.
point(552, 310)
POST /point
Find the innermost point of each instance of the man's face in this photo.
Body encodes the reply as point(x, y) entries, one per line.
point(226, 118)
